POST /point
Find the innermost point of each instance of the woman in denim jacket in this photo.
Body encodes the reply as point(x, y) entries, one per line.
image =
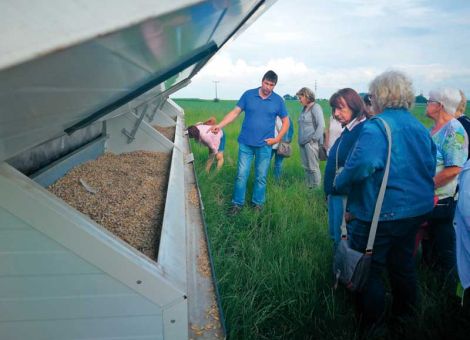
point(408, 196)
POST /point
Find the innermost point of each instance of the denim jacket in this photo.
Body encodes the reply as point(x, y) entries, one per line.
point(342, 146)
point(410, 188)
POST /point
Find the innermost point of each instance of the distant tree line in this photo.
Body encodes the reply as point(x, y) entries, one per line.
point(420, 99)
point(289, 97)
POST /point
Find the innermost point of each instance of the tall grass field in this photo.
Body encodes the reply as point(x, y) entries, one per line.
point(273, 267)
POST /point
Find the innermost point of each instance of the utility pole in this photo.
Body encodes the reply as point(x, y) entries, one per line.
point(216, 99)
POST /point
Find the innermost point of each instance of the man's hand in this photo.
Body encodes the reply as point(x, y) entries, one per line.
point(271, 141)
point(214, 129)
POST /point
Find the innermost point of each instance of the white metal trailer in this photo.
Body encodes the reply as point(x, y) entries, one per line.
point(77, 78)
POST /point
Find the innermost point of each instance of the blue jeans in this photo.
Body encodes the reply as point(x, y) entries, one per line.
point(335, 217)
point(262, 156)
point(393, 250)
point(277, 164)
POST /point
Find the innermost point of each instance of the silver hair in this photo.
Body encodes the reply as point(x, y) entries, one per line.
point(449, 98)
point(392, 89)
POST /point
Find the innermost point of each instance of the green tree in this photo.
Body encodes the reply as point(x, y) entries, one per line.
point(421, 99)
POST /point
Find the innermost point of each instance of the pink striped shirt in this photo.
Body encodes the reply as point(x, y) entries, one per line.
point(211, 140)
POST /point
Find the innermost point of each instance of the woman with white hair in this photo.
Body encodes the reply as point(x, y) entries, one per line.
point(452, 151)
point(407, 200)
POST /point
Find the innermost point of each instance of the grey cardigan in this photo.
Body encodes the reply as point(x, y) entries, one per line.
point(311, 125)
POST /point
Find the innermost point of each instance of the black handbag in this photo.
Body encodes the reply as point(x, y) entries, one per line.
point(322, 153)
point(351, 267)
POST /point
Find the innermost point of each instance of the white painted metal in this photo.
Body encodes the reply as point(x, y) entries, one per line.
point(38, 23)
point(147, 138)
point(92, 275)
point(62, 275)
point(172, 109)
point(162, 118)
point(77, 265)
point(172, 252)
point(48, 90)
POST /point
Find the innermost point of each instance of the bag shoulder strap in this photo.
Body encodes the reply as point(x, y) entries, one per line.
point(383, 186)
point(380, 198)
point(314, 121)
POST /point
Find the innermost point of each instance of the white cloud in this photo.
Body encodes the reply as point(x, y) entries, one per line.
point(344, 43)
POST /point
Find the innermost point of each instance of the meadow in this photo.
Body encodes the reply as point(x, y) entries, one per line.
point(273, 267)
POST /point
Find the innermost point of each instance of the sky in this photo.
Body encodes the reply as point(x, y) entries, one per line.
point(328, 45)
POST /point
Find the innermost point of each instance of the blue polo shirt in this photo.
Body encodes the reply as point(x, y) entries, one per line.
point(260, 116)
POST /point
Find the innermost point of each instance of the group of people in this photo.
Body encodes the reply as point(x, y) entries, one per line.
point(422, 197)
point(265, 125)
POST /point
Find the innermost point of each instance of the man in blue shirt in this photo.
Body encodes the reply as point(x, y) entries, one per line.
point(261, 106)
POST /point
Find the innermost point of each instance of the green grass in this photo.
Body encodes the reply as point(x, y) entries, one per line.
point(274, 267)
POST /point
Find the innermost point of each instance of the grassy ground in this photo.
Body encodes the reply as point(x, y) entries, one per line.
point(274, 267)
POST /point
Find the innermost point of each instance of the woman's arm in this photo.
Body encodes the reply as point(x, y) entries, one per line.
point(446, 175)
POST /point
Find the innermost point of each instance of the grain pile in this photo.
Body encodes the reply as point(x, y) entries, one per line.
point(212, 327)
point(212, 323)
point(193, 196)
point(203, 265)
point(168, 132)
point(124, 193)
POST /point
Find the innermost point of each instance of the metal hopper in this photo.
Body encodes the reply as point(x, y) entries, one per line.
point(79, 78)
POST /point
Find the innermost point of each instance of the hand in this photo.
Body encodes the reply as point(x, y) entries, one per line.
point(214, 129)
point(271, 141)
point(348, 217)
